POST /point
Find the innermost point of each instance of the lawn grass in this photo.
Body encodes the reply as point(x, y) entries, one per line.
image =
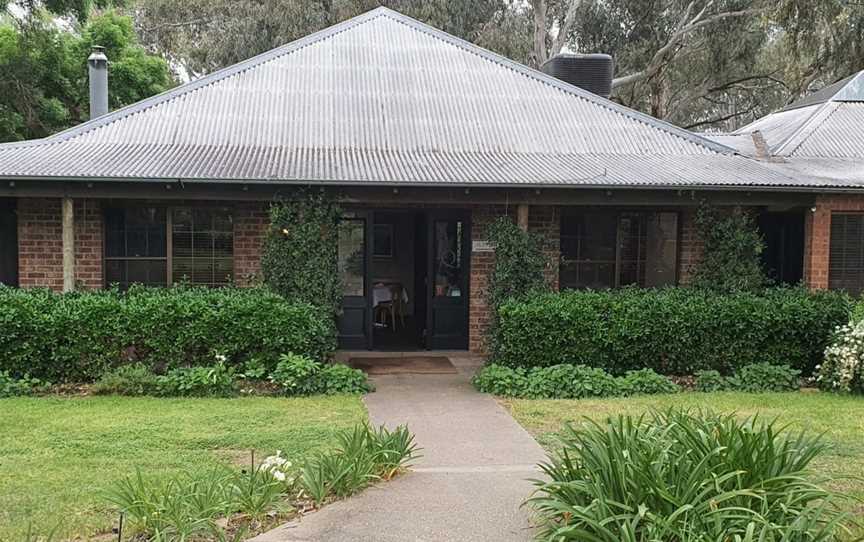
point(840, 418)
point(58, 454)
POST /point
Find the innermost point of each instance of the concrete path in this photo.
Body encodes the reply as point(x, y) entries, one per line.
point(469, 484)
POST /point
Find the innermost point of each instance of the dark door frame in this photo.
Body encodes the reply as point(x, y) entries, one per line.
point(429, 216)
point(433, 302)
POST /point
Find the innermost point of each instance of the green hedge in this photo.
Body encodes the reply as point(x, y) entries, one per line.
point(672, 330)
point(78, 336)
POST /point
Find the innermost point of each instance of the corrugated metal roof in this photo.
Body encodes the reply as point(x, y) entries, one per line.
point(383, 98)
point(818, 139)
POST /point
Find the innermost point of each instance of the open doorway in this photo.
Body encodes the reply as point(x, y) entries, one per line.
point(398, 280)
point(406, 277)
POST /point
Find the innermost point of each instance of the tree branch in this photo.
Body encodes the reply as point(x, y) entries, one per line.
point(686, 26)
point(565, 28)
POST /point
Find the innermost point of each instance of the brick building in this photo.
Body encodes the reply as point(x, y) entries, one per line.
point(425, 139)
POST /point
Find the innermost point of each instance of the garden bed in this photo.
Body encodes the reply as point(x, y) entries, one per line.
point(840, 417)
point(58, 455)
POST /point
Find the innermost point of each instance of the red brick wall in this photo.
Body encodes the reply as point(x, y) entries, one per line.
point(817, 235)
point(250, 227)
point(40, 244)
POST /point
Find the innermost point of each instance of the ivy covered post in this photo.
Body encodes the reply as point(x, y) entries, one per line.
point(731, 257)
point(518, 270)
point(300, 255)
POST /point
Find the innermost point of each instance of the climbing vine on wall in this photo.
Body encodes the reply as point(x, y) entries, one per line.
point(300, 254)
point(518, 270)
point(732, 250)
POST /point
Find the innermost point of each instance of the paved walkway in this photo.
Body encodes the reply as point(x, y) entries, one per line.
point(468, 485)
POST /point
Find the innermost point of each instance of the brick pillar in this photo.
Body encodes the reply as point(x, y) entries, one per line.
point(817, 238)
point(88, 244)
point(690, 251)
point(40, 245)
point(250, 227)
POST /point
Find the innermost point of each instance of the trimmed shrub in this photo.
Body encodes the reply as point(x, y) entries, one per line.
point(299, 375)
point(755, 378)
point(568, 382)
point(686, 476)
point(842, 370)
point(670, 330)
point(79, 336)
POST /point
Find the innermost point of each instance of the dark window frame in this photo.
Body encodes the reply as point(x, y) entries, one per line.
point(169, 239)
point(618, 213)
point(835, 267)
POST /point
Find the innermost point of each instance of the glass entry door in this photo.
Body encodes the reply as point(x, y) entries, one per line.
point(449, 234)
point(354, 322)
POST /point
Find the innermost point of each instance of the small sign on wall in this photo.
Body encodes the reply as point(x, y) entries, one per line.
point(482, 246)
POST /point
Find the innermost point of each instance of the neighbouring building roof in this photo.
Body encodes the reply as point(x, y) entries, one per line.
point(820, 137)
point(380, 99)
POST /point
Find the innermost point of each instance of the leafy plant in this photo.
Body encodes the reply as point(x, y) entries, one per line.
point(258, 493)
point(646, 382)
point(754, 378)
point(299, 375)
point(568, 382)
point(843, 368)
point(731, 254)
point(674, 331)
point(337, 378)
point(174, 509)
point(760, 377)
point(685, 476)
point(296, 374)
point(711, 381)
point(362, 456)
point(501, 380)
point(215, 381)
point(14, 387)
point(393, 450)
point(135, 379)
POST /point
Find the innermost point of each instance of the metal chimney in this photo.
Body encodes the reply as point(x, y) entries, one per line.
point(98, 64)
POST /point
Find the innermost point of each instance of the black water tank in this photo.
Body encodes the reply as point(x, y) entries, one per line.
point(590, 72)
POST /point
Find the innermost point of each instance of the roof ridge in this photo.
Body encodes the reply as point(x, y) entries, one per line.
point(806, 129)
point(558, 83)
point(197, 84)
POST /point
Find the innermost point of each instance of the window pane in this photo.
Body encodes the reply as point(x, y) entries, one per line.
point(126, 272)
point(352, 254)
point(846, 259)
point(448, 258)
point(202, 243)
point(632, 240)
point(135, 232)
point(642, 248)
point(588, 250)
point(662, 250)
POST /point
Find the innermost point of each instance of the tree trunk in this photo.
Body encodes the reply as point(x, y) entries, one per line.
point(540, 54)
